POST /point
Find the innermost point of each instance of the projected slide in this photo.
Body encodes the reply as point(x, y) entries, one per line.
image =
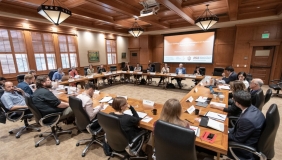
point(189, 48)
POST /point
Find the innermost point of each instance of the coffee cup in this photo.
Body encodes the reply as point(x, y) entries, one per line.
point(197, 111)
point(221, 98)
point(154, 111)
point(66, 89)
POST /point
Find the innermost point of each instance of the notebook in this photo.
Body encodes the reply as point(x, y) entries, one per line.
point(207, 122)
point(140, 114)
point(204, 104)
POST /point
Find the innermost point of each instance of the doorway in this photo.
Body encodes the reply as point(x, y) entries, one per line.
point(261, 62)
point(134, 58)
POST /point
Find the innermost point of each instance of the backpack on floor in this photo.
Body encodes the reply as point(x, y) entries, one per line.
point(170, 85)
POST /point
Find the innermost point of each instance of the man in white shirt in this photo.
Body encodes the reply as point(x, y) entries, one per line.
point(87, 103)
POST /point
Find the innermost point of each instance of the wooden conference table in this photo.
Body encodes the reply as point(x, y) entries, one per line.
point(118, 73)
point(220, 145)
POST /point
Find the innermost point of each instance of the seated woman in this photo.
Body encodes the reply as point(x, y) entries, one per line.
point(164, 70)
point(232, 109)
point(197, 71)
point(128, 123)
point(171, 113)
point(242, 77)
point(90, 70)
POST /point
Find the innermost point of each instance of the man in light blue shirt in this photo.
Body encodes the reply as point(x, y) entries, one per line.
point(58, 75)
point(11, 99)
point(180, 70)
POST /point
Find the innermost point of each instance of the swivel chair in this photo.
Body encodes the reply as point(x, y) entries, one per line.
point(217, 71)
point(267, 95)
point(203, 70)
point(16, 115)
point(51, 120)
point(51, 73)
point(20, 78)
point(84, 124)
point(116, 137)
point(259, 99)
point(85, 71)
point(166, 147)
point(276, 84)
point(265, 147)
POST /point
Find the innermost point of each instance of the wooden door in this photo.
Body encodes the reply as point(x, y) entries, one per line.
point(134, 58)
point(261, 63)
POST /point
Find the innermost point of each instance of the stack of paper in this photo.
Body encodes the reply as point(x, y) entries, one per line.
point(105, 99)
point(140, 114)
point(196, 130)
point(224, 87)
point(218, 104)
point(216, 125)
point(96, 92)
point(201, 99)
point(216, 116)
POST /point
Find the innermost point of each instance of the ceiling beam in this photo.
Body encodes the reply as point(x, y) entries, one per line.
point(74, 3)
point(190, 3)
point(233, 9)
point(175, 5)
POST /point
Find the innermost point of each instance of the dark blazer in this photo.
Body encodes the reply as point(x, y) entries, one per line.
point(25, 87)
point(232, 77)
point(101, 70)
point(253, 94)
point(247, 130)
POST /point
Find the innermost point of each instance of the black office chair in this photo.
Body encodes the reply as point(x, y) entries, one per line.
point(217, 71)
point(170, 144)
point(265, 147)
point(84, 124)
point(276, 84)
point(267, 95)
point(51, 73)
point(249, 77)
point(85, 71)
point(116, 138)
point(203, 70)
point(50, 120)
point(20, 78)
point(259, 99)
point(16, 115)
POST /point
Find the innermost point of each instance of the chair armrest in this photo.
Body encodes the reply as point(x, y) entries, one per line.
point(135, 139)
point(233, 120)
point(88, 127)
point(58, 115)
point(20, 110)
point(275, 80)
point(252, 150)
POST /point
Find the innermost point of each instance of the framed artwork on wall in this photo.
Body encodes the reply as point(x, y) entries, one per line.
point(93, 56)
point(123, 55)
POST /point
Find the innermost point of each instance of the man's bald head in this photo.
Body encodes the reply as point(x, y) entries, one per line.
point(258, 81)
point(256, 84)
point(8, 86)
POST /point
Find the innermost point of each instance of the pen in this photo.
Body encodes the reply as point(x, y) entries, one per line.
point(189, 121)
point(220, 116)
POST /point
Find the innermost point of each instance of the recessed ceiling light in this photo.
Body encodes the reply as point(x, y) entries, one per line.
point(258, 7)
point(26, 19)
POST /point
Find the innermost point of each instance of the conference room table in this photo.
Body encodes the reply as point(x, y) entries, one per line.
point(220, 145)
point(132, 73)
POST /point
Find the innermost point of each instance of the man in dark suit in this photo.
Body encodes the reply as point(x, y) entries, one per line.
point(248, 127)
point(255, 86)
point(231, 75)
point(180, 70)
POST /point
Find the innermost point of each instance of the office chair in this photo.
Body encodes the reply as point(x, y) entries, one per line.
point(51, 73)
point(217, 71)
point(83, 124)
point(276, 84)
point(267, 95)
point(203, 70)
point(114, 69)
point(259, 99)
point(168, 148)
point(116, 137)
point(16, 115)
point(249, 77)
point(265, 147)
point(85, 71)
point(20, 78)
point(50, 120)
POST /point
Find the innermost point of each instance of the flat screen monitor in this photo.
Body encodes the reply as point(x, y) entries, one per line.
point(189, 48)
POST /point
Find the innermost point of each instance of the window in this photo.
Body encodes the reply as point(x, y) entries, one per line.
point(68, 51)
point(13, 56)
point(44, 52)
point(111, 51)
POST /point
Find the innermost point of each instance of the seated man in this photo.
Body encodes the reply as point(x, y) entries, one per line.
point(231, 75)
point(248, 127)
point(32, 72)
point(255, 86)
point(87, 103)
point(180, 70)
point(28, 79)
point(46, 102)
point(127, 67)
point(58, 75)
point(11, 99)
point(101, 70)
point(2, 81)
point(149, 69)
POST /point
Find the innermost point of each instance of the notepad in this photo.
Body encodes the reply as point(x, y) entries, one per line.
point(207, 122)
point(216, 116)
point(147, 119)
point(224, 87)
point(218, 104)
point(105, 99)
point(140, 114)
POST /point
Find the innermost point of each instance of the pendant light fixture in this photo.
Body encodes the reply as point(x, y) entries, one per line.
point(206, 20)
point(136, 30)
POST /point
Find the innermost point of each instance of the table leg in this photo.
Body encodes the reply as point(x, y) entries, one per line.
point(218, 156)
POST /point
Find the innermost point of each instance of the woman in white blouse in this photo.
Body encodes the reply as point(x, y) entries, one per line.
point(164, 70)
point(242, 77)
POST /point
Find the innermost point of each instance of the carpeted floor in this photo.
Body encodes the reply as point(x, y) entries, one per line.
point(23, 148)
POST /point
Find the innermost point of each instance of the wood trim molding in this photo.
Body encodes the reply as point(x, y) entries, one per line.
point(266, 43)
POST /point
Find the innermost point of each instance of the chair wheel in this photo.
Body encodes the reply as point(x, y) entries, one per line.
point(40, 135)
point(18, 136)
point(57, 143)
point(70, 132)
point(77, 144)
point(11, 132)
point(38, 130)
point(83, 154)
point(36, 145)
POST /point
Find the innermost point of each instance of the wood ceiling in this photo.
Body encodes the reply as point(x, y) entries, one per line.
point(117, 16)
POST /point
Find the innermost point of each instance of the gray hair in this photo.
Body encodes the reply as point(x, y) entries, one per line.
point(258, 81)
